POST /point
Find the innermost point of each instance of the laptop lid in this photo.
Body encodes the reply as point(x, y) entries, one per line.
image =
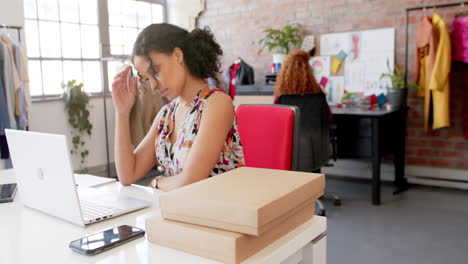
point(44, 173)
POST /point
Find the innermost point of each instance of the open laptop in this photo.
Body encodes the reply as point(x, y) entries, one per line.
point(46, 183)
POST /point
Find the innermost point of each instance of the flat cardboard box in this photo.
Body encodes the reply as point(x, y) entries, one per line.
point(221, 245)
point(244, 200)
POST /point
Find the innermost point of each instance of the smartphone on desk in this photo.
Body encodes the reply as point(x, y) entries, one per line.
point(7, 192)
point(105, 240)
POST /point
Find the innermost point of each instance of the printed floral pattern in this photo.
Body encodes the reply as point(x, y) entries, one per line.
point(172, 159)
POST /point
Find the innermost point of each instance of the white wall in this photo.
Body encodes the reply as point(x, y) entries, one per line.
point(183, 12)
point(51, 117)
point(11, 12)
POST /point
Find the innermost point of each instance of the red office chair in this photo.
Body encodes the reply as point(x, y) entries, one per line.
point(269, 135)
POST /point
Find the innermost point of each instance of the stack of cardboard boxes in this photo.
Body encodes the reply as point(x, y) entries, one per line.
point(234, 215)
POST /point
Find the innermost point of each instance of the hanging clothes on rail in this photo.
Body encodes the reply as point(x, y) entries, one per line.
point(14, 90)
point(460, 55)
point(239, 73)
point(22, 95)
point(8, 83)
point(460, 39)
point(433, 55)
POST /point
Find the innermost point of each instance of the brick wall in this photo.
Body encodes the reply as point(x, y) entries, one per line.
point(238, 25)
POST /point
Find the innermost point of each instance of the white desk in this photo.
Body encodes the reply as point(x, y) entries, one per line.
point(29, 236)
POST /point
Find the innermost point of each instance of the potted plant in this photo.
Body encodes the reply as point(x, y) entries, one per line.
point(278, 40)
point(396, 94)
point(76, 103)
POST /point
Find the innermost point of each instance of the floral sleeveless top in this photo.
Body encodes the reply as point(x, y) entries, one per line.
point(171, 157)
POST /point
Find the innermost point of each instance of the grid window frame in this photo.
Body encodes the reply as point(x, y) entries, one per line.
point(104, 57)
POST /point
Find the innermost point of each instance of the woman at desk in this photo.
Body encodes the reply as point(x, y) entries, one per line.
point(195, 135)
point(295, 77)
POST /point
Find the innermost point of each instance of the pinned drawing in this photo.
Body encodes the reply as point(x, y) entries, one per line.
point(320, 67)
point(356, 46)
point(336, 65)
point(332, 44)
point(335, 90)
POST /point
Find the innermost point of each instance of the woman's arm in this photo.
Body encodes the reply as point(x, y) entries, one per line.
point(131, 166)
point(215, 124)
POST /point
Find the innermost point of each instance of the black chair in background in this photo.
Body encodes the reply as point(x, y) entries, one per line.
point(315, 140)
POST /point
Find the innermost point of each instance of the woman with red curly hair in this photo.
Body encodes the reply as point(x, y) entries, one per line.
point(295, 77)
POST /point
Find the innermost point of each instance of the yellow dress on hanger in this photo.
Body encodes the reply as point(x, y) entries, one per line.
point(438, 89)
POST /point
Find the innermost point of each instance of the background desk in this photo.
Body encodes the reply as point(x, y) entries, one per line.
point(370, 135)
point(29, 236)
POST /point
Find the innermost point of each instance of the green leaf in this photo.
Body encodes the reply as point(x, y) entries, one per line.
point(280, 38)
point(77, 102)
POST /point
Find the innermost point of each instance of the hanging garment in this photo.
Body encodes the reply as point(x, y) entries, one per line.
point(460, 53)
point(439, 86)
point(460, 39)
point(148, 102)
point(232, 81)
point(465, 101)
point(426, 46)
point(25, 79)
point(21, 102)
point(16, 79)
point(7, 76)
point(4, 118)
point(459, 85)
point(434, 62)
point(244, 75)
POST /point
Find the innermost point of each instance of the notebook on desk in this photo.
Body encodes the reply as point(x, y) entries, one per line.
point(46, 181)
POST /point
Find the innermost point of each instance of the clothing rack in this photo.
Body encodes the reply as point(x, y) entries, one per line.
point(18, 29)
point(408, 10)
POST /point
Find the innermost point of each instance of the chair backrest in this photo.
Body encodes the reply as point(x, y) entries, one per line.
point(314, 143)
point(269, 135)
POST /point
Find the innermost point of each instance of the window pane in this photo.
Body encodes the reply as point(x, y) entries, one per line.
point(90, 41)
point(69, 10)
point(49, 33)
point(129, 13)
point(111, 66)
point(72, 70)
point(35, 79)
point(88, 11)
point(32, 38)
point(157, 13)
point(144, 14)
point(52, 75)
point(116, 40)
point(115, 12)
point(92, 76)
point(30, 9)
point(71, 40)
point(114, 67)
point(130, 37)
point(48, 9)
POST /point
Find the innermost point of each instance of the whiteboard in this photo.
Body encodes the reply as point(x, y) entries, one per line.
point(368, 52)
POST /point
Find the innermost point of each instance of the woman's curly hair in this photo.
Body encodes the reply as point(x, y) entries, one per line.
point(295, 75)
point(201, 51)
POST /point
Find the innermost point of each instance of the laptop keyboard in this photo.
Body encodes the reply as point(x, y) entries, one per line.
point(96, 209)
